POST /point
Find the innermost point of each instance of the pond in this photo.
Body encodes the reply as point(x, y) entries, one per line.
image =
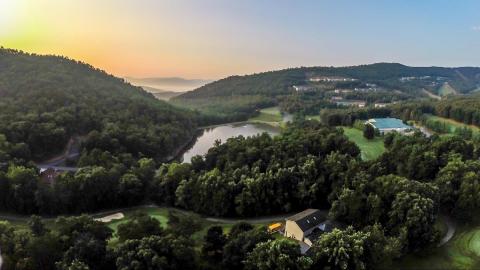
point(209, 135)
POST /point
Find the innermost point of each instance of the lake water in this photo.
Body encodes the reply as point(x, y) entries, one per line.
point(209, 135)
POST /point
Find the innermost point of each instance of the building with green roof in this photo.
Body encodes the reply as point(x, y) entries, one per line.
point(386, 125)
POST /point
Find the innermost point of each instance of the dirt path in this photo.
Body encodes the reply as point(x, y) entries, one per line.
point(451, 228)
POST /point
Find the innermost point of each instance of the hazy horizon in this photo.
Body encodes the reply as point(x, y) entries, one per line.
point(213, 39)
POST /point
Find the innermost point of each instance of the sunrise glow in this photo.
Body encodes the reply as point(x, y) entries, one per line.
point(213, 38)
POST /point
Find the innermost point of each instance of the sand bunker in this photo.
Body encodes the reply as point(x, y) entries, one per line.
point(109, 218)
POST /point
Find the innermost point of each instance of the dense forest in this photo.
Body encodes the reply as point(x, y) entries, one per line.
point(462, 109)
point(45, 100)
point(238, 97)
point(389, 206)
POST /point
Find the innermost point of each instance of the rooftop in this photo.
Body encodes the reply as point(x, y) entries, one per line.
point(388, 123)
point(308, 218)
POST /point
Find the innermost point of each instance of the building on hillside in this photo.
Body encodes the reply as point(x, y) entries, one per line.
point(306, 226)
point(381, 105)
point(302, 88)
point(339, 91)
point(49, 175)
point(331, 79)
point(352, 103)
point(386, 125)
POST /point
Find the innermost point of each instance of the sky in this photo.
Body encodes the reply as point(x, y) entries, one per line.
point(211, 39)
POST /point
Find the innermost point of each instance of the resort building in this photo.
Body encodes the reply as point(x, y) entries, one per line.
point(352, 103)
point(386, 125)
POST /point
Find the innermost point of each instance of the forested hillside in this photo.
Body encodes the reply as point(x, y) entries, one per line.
point(237, 97)
point(240, 96)
point(45, 100)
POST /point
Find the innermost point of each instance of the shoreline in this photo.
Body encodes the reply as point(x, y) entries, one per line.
point(178, 153)
point(272, 124)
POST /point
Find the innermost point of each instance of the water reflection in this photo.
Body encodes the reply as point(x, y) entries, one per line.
point(209, 135)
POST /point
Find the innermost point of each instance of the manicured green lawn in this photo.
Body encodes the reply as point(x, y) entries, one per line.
point(461, 252)
point(271, 114)
point(370, 149)
point(160, 214)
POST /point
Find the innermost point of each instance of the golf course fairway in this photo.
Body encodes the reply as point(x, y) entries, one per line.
point(461, 252)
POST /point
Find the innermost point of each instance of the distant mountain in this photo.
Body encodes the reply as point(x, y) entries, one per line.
point(388, 75)
point(174, 84)
point(160, 93)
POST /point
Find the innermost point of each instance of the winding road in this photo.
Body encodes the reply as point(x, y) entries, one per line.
point(72, 150)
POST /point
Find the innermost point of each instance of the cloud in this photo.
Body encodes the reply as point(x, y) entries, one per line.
point(476, 28)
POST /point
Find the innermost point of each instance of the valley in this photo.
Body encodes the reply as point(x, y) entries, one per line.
point(239, 135)
point(288, 141)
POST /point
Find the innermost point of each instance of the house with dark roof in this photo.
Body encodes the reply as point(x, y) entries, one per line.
point(307, 226)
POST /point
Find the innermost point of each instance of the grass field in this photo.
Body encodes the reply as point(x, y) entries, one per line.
point(268, 115)
point(462, 252)
point(371, 149)
point(446, 89)
point(160, 214)
point(453, 124)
